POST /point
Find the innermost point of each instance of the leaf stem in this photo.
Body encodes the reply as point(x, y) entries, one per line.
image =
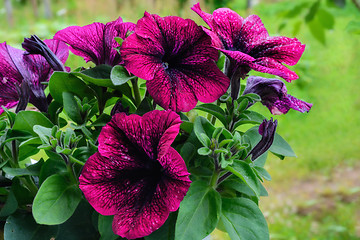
point(74, 160)
point(134, 82)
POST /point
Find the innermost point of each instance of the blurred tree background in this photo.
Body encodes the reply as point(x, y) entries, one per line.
point(313, 196)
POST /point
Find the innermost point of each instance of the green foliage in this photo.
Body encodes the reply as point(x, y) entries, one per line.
point(199, 212)
point(22, 225)
point(56, 201)
point(243, 219)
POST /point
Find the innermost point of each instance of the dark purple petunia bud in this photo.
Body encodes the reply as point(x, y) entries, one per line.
point(274, 95)
point(21, 75)
point(96, 42)
point(267, 130)
point(176, 58)
point(35, 45)
point(248, 45)
point(119, 108)
point(136, 175)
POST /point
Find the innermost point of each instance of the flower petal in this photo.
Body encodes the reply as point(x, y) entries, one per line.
point(269, 65)
point(274, 95)
point(227, 24)
point(86, 41)
point(161, 129)
point(141, 56)
point(151, 134)
point(134, 222)
point(283, 49)
point(95, 42)
point(208, 18)
point(252, 32)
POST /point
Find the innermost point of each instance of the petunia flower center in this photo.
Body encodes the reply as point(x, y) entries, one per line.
point(165, 65)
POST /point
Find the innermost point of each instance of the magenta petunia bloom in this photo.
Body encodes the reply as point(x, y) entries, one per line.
point(274, 95)
point(176, 58)
point(21, 75)
point(96, 42)
point(248, 45)
point(136, 175)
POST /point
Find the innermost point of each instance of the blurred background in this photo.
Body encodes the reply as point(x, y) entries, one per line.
point(313, 196)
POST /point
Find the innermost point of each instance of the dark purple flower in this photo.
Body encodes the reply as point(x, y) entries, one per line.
point(136, 175)
point(175, 56)
point(248, 45)
point(267, 130)
point(20, 72)
point(274, 95)
point(96, 42)
point(35, 45)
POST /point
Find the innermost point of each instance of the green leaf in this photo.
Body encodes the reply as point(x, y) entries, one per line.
point(199, 212)
point(215, 110)
point(10, 205)
point(33, 170)
point(67, 82)
point(281, 147)
point(119, 75)
point(204, 151)
point(251, 118)
point(312, 11)
point(101, 121)
point(263, 173)
point(71, 107)
point(243, 219)
point(29, 148)
point(26, 120)
point(166, 231)
point(105, 227)
point(202, 128)
point(22, 226)
point(12, 134)
point(55, 201)
point(244, 171)
point(317, 30)
point(187, 151)
point(144, 107)
point(326, 19)
point(10, 115)
point(353, 27)
point(99, 75)
point(81, 225)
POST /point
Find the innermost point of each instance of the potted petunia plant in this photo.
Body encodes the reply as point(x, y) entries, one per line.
point(157, 140)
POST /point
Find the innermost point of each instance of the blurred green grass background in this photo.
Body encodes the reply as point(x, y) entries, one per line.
point(313, 196)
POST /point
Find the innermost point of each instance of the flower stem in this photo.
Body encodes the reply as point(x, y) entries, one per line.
point(29, 183)
point(223, 177)
point(134, 82)
point(214, 178)
point(74, 160)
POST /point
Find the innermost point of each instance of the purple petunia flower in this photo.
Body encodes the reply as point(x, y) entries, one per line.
point(247, 43)
point(175, 56)
point(96, 42)
point(136, 175)
point(267, 131)
point(274, 95)
point(21, 75)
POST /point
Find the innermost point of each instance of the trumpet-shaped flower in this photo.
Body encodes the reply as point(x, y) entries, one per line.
point(267, 131)
point(248, 45)
point(21, 75)
point(136, 175)
point(176, 58)
point(274, 95)
point(96, 42)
